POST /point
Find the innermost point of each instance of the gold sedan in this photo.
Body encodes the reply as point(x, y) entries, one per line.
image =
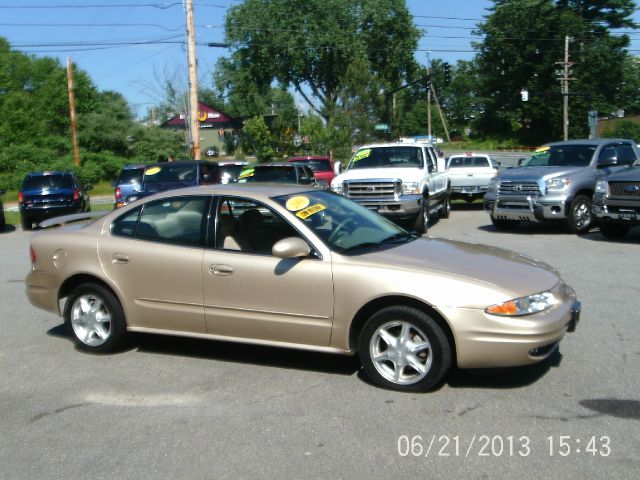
point(299, 268)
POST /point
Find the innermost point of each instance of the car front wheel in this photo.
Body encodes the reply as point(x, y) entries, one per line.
point(421, 223)
point(580, 217)
point(403, 348)
point(95, 318)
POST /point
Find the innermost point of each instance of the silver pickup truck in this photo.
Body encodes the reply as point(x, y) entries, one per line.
point(557, 183)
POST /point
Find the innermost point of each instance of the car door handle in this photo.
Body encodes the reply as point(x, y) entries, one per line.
point(119, 258)
point(220, 270)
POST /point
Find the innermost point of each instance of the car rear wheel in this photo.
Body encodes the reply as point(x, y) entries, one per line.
point(26, 223)
point(403, 348)
point(504, 225)
point(446, 205)
point(580, 217)
point(95, 318)
point(613, 230)
point(421, 223)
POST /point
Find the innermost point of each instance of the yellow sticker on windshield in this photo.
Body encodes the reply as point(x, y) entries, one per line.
point(152, 171)
point(362, 154)
point(307, 212)
point(247, 173)
point(297, 203)
point(542, 149)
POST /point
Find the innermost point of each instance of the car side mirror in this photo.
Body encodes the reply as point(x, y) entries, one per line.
point(337, 168)
point(608, 162)
point(291, 247)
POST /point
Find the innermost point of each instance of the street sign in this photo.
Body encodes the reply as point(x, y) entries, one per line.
point(381, 127)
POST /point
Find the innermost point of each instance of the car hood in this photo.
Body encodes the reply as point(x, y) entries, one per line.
point(627, 175)
point(408, 174)
point(528, 173)
point(504, 269)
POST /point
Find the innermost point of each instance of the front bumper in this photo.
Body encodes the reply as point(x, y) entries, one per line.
point(401, 207)
point(489, 341)
point(527, 208)
point(618, 211)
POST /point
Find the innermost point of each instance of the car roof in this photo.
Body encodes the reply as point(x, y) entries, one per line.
point(51, 172)
point(590, 141)
point(259, 191)
point(275, 164)
point(396, 144)
point(308, 157)
point(469, 154)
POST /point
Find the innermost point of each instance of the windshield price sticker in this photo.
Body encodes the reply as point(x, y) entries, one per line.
point(152, 171)
point(307, 212)
point(362, 154)
point(542, 149)
point(247, 173)
point(297, 203)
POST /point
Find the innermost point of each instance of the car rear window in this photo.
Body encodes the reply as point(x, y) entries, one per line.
point(273, 174)
point(40, 182)
point(317, 165)
point(170, 173)
point(130, 175)
point(463, 162)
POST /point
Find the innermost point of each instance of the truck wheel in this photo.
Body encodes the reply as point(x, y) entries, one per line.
point(446, 205)
point(421, 223)
point(613, 230)
point(26, 223)
point(404, 349)
point(580, 217)
point(504, 225)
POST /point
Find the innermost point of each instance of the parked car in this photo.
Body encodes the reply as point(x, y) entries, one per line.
point(178, 174)
point(44, 195)
point(470, 174)
point(616, 202)
point(290, 266)
point(3, 221)
point(278, 173)
point(402, 181)
point(230, 170)
point(322, 167)
point(128, 182)
point(211, 151)
point(557, 183)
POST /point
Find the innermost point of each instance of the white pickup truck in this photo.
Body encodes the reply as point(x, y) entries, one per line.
point(470, 174)
point(402, 181)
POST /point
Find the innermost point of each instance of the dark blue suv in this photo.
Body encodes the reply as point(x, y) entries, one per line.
point(50, 194)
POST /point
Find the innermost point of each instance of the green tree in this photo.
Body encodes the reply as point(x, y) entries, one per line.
point(257, 139)
point(311, 45)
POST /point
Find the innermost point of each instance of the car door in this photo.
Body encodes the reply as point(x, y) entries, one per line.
point(251, 294)
point(153, 256)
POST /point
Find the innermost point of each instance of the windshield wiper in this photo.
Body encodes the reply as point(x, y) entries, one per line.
point(395, 238)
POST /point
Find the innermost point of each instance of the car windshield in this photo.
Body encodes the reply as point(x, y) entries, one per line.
point(466, 162)
point(343, 225)
point(385, 157)
point(316, 165)
point(561, 156)
point(43, 182)
point(130, 175)
point(283, 174)
point(170, 173)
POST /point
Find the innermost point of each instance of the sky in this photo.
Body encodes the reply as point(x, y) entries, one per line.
point(130, 46)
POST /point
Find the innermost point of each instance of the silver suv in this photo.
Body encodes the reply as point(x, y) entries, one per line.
point(557, 183)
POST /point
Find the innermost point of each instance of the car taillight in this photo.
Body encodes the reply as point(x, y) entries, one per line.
point(76, 194)
point(20, 197)
point(32, 254)
point(118, 194)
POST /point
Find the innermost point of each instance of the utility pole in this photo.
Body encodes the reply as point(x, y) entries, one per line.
point(193, 82)
point(442, 119)
point(72, 113)
point(429, 95)
point(564, 79)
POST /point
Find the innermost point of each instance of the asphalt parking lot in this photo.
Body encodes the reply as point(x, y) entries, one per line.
point(190, 409)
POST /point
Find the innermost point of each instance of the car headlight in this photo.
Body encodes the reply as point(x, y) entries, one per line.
point(336, 187)
point(557, 183)
point(601, 186)
point(411, 188)
point(493, 185)
point(524, 306)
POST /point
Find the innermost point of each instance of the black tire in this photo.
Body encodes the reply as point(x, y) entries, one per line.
point(26, 223)
point(446, 205)
point(397, 372)
point(614, 231)
point(93, 334)
point(504, 225)
point(580, 218)
point(421, 223)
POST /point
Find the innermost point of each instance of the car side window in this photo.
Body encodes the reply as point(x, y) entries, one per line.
point(174, 220)
point(608, 152)
point(248, 226)
point(626, 154)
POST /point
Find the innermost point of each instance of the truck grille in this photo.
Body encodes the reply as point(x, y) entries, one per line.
point(518, 188)
point(372, 189)
point(625, 189)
